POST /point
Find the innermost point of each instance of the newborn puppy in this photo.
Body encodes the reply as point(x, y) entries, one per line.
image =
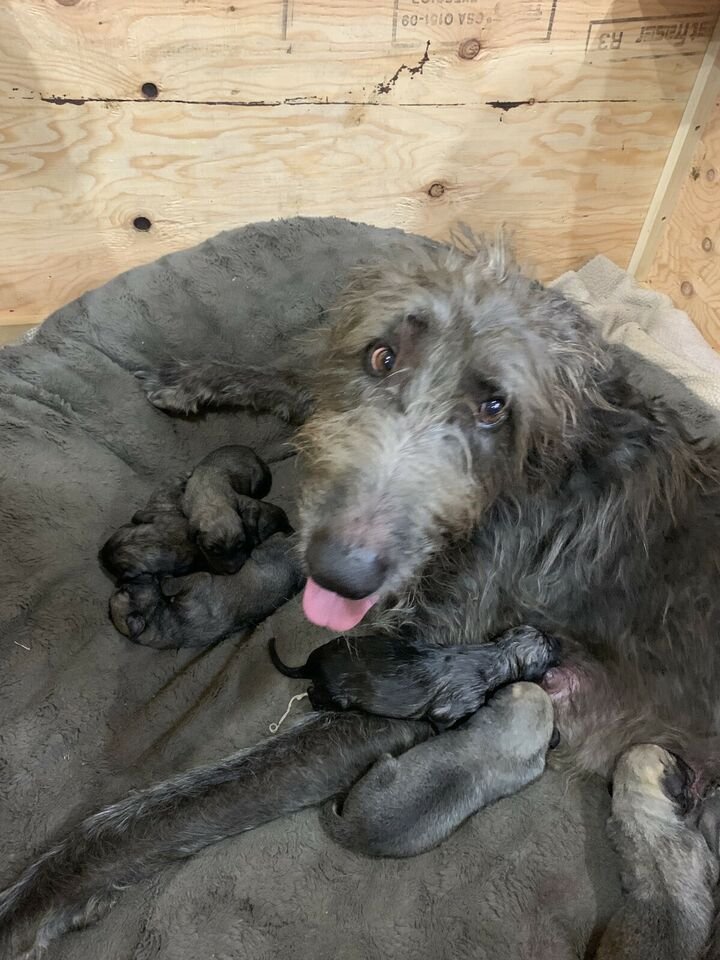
point(200, 609)
point(410, 680)
point(157, 539)
point(221, 505)
point(408, 804)
point(207, 520)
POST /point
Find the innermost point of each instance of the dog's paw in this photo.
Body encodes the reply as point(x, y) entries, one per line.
point(172, 389)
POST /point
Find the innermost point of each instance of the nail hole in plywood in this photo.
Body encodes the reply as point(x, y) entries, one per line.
point(142, 223)
point(150, 90)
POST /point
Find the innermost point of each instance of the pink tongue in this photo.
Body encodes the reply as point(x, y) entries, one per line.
point(328, 609)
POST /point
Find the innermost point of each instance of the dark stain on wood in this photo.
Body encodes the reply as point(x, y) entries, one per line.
point(506, 105)
point(387, 85)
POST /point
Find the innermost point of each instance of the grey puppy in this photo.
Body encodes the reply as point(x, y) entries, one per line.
point(408, 804)
point(201, 608)
point(222, 504)
point(413, 679)
point(156, 540)
point(212, 519)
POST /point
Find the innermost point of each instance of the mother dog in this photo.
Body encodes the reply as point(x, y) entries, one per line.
point(477, 458)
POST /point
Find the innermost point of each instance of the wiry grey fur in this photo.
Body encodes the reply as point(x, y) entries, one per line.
point(587, 511)
point(408, 804)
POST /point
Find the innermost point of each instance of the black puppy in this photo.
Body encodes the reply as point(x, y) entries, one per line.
point(210, 520)
point(408, 680)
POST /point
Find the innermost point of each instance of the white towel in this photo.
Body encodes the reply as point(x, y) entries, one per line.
point(646, 322)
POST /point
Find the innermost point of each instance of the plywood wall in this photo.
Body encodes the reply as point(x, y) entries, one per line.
point(687, 263)
point(185, 117)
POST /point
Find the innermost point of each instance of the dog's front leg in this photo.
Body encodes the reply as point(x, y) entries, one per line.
point(184, 388)
point(668, 869)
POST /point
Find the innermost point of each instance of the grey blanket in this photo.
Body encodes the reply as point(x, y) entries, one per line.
point(85, 715)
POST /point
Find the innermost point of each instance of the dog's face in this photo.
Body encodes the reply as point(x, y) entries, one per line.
point(444, 383)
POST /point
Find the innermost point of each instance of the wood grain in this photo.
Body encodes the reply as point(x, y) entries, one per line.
point(570, 178)
point(550, 116)
point(342, 50)
point(687, 265)
point(690, 130)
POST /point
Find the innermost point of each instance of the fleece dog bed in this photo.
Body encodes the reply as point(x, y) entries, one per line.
point(85, 715)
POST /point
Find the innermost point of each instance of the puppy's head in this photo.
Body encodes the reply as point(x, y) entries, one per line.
point(224, 544)
point(133, 606)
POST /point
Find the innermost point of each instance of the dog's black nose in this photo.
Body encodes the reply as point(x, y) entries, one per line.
point(353, 572)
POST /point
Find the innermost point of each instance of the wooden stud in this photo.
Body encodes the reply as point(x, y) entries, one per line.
point(687, 247)
point(699, 106)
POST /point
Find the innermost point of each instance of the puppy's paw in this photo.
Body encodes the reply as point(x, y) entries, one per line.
point(173, 389)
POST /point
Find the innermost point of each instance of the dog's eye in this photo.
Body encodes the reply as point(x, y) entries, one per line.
point(381, 359)
point(491, 411)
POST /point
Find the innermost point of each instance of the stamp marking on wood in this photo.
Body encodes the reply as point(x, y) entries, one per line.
point(630, 38)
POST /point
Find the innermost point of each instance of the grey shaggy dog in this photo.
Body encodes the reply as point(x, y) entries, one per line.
point(412, 680)
point(476, 458)
point(406, 805)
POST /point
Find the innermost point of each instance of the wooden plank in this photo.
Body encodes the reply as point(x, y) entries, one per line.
point(675, 171)
point(687, 264)
point(551, 116)
point(343, 51)
point(572, 179)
